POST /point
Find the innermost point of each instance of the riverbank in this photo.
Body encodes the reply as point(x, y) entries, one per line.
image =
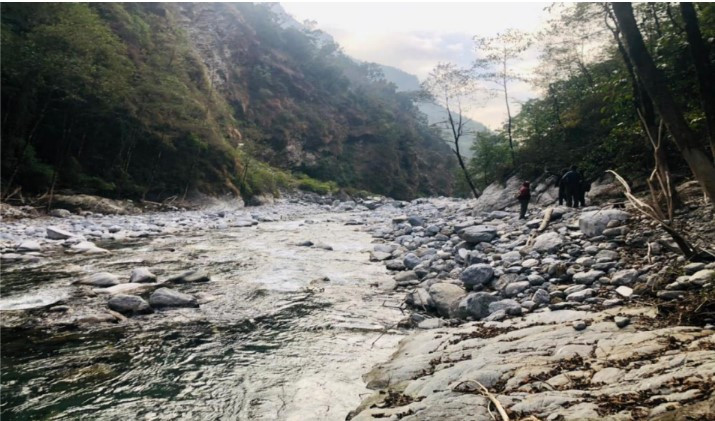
point(288, 305)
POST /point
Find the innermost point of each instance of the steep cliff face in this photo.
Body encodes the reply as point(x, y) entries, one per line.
point(154, 99)
point(305, 106)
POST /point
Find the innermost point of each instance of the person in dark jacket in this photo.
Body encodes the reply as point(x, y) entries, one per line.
point(583, 188)
point(562, 186)
point(524, 196)
point(572, 184)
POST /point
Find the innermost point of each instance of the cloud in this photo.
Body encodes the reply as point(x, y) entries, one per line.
point(415, 37)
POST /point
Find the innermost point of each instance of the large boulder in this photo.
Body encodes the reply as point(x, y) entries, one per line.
point(446, 298)
point(498, 196)
point(478, 234)
point(594, 222)
point(548, 242)
point(165, 297)
point(478, 274)
point(476, 305)
point(129, 304)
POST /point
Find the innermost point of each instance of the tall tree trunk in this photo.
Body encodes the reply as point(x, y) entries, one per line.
point(703, 68)
point(508, 114)
point(655, 84)
point(644, 106)
point(456, 134)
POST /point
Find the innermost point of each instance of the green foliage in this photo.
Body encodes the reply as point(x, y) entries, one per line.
point(115, 98)
point(491, 160)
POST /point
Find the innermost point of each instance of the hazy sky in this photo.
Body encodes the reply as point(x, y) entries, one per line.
point(416, 36)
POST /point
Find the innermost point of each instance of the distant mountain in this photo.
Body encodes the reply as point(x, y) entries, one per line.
point(436, 114)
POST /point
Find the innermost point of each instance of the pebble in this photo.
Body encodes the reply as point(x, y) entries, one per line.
point(621, 322)
point(579, 325)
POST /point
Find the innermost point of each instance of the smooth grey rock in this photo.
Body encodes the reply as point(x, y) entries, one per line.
point(530, 263)
point(515, 288)
point(541, 296)
point(691, 268)
point(587, 278)
point(579, 325)
point(28, 246)
point(595, 222)
point(581, 295)
point(548, 242)
point(477, 274)
point(419, 298)
point(446, 297)
point(510, 307)
point(606, 256)
point(60, 213)
point(478, 234)
point(190, 277)
point(129, 304)
point(141, 275)
point(165, 297)
point(621, 322)
point(55, 233)
point(411, 261)
point(624, 277)
point(378, 256)
point(476, 305)
point(703, 276)
point(406, 276)
point(101, 279)
point(624, 291)
point(88, 247)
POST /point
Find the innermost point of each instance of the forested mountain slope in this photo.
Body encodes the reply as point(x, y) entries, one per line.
point(151, 100)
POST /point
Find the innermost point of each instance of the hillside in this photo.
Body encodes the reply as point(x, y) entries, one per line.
point(436, 114)
point(153, 100)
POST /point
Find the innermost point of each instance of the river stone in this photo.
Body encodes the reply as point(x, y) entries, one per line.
point(509, 306)
point(54, 233)
point(419, 298)
point(28, 246)
point(624, 277)
point(190, 277)
point(88, 247)
point(624, 291)
point(511, 257)
point(446, 297)
point(621, 321)
point(101, 279)
point(395, 265)
point(476, 305)
point(593, 223)
point(165, 297)
point(529, 263)
point(587, 278)
point(691, 268)
point(129, 304)
point(541, 296)
point(515, 288)
point(378, 256)
point(411, 261)
point(406, 276)
point(60, 213)
point(478, 274)
point(548, 242)
point(142, 275)
point(702, 276)
point(127, 288)
point(478, 234)
point(606, 256)
point(580, 295)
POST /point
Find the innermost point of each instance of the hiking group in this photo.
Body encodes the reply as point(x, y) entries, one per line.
point(572, 190)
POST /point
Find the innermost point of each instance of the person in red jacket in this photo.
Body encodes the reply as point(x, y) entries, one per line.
point(524, 196)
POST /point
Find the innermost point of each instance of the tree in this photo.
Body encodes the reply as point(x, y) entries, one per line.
point(656, 85)
point(490, 158)
point(703, 68)
point(496, 66)
point(449, 86)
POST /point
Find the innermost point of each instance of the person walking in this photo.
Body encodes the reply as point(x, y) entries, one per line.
point(572, 186)
point(524, 196)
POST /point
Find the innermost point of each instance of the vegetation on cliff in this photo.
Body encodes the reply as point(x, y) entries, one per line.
point(153, 100)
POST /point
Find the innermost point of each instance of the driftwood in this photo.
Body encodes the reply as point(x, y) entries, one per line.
point(546, 220)
point(484, 391)
point(691, 251)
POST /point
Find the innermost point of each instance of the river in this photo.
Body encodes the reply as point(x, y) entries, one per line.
point(288, 334)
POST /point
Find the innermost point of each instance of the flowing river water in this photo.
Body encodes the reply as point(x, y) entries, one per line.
point(288, 335)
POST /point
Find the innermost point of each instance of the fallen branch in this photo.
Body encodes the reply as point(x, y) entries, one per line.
point(546, 220)
point(688, 249)
point(485, 392)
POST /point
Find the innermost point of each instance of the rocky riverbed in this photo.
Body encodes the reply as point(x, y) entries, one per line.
point(277, 312)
